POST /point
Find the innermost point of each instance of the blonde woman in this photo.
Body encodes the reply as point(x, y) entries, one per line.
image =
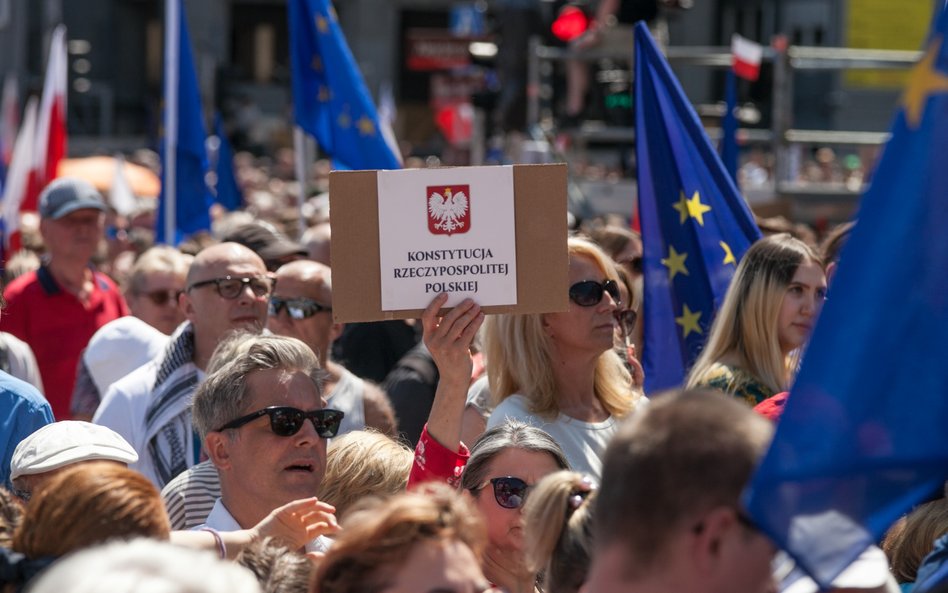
point(767, 316)
point(558, 371)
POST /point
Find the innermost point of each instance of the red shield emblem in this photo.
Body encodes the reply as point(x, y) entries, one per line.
point(449, 209)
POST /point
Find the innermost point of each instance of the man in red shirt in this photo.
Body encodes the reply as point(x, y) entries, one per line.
point(57, 308)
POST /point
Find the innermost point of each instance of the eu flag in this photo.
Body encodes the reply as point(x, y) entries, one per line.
point(330, 99)
point(185, 200)
point(226, 191)
point(695, 224)
point(863, 437)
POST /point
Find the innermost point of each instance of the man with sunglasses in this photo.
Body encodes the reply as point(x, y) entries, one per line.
point(668, 514)
point(264, 425)
point(301, 307)
point(227, 289)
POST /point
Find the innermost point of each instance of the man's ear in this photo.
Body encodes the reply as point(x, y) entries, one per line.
point(710, 537)
point(335, 331)
point(187, 306)
point(217, 445)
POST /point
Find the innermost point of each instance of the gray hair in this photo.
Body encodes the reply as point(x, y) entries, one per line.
point(512, 434)
point(221, 397)
point(144, 565)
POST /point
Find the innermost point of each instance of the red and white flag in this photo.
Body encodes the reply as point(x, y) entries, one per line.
point(745, 57)
point(50, 146)
point(18, 177)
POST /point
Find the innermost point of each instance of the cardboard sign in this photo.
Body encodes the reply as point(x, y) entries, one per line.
point(538, 273)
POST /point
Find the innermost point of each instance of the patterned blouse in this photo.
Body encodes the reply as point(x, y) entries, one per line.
point(737, 382)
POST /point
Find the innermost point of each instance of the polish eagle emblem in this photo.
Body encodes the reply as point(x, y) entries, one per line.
point(448, 210)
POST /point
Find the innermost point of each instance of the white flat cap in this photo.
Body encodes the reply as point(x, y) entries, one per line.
point(64, 443)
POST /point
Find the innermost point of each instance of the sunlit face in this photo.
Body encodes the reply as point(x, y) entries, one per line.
point(317, 331)
point(439, 566)
point(212, 314)
point(583, 330)
point(800, 307)
point(156, 301)
point(74, 236)
point(263, 470)
point(505, 526)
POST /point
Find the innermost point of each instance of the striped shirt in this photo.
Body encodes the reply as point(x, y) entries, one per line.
point(190, 496)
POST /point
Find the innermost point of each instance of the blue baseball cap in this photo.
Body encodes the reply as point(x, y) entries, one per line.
point(66, 195)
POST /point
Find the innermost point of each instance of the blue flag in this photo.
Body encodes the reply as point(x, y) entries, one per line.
point(226, 192)
point(729, 148)
point(695, 224)
point(184, 162)
point(863, 437)
point(330, 99)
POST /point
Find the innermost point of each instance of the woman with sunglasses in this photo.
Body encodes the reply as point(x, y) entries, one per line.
point(501, 467)
point(558, 371)
point(765, 320)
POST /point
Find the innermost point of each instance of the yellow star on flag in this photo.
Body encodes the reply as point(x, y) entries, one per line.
point(344, 120)
point(366, 127)
point(728, 256)
point(323, 94)
point(675, 262)
point(693, 208)
point(322, 25)
point(924, 82)
point(317, 64)
point(689, 321)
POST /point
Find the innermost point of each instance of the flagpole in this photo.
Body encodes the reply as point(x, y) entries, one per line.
point(299, 148)
point(172, 50)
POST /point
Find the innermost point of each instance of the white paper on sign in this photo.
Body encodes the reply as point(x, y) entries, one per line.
point(447, 230)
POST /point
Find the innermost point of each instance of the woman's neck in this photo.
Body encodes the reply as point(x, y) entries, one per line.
point(574, 377)
point(507, 571)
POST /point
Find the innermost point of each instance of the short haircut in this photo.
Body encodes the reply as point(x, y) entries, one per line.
point(381, 535)
point(512, 434)
point(222, 396)
point(144, 565)
point(363, 463)
point(88, 504)
point(157, 259)
point(278, 568)
point(685, 454)
point(519, 355)
point(558, 515)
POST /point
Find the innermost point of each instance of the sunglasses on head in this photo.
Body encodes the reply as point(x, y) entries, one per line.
point(300, 308)
point(588, 293)
point(286, 421)
point(509, 492)
point(162, 297)
point(634, 263)
point(230, 287)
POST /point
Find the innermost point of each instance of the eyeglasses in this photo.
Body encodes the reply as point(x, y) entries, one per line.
point(300, 308)
point(286, 421)
point(509, 492)
point(231, 288)
point(588, 293)
point(161, 297)
point(627, 319)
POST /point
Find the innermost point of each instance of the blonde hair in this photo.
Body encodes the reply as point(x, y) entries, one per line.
point(363, 463)
point(558, 517)
point(520, 355)
point(746, 324)
point(157, 259)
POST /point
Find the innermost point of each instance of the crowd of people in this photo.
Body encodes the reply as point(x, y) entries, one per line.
point(192, 419)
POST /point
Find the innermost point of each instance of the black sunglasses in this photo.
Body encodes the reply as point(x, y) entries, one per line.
point(286, 421)
point(300, 308)
point(627, 319)
point(161, 297)
point(509, 492)
point(634, 263)
point(230, 287)
point(588, 293)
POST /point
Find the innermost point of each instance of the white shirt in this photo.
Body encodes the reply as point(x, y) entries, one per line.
point(220, 519)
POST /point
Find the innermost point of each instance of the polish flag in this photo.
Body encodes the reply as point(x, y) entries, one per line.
point(18, 177)
point(50, 146)
point(745, 57)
